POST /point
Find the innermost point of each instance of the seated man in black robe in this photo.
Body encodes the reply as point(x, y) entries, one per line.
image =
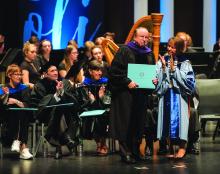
point(61, 120)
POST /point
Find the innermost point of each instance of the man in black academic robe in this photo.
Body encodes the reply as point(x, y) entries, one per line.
point(62, 120)
point(129, 104)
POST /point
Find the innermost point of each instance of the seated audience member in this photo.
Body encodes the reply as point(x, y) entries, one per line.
point(30, 67)
point(109, 35)
point(73, 43)
point(88, 46)
point(97, 54)
point(60, 120)
point(16, 95)
point(45, 48)
point(98, 40)
point(70, 58)
point(34, 40)
point(85, 55)
point(216, 46)
point(97, 93)
point(187, 42)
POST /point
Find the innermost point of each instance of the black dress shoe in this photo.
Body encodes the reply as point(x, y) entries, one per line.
point(58, 153)
point(72, 145)
point(128, 159)
point(69, 142)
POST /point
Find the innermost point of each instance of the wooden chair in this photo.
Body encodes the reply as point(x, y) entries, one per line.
point(151, 22)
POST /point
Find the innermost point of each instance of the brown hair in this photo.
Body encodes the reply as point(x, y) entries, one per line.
point(179, 45)
point(41, 45)
point(66, 60)
point(109, 34)
point(96, 46)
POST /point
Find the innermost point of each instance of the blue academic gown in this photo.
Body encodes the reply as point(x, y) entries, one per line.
point(173, 109)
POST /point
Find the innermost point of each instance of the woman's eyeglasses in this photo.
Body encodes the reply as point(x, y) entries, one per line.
point(16, 74)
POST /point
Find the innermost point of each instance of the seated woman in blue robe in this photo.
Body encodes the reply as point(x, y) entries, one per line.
point(16, 95)
point(175, 84)
point(96, 86)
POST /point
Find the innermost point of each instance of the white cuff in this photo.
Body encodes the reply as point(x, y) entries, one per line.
point(57, 98)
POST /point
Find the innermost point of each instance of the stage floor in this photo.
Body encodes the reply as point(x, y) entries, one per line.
point(206, 162)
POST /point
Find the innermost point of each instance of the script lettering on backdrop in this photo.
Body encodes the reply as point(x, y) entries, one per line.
point(34, 25)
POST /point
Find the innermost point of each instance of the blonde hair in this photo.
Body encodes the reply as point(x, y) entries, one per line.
point(88, 45)
point(11, 69)
point(26, 47)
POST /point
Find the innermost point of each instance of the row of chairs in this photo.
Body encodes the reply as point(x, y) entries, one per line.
point(209, 110)
point(39, 141)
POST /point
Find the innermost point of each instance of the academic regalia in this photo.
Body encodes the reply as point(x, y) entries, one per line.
point(173, 116)
point(95, 127)
point(128, 106)
point(15, 120)
point(60, 120)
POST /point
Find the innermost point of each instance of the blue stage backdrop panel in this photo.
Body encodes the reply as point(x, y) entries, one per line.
point(62, 20)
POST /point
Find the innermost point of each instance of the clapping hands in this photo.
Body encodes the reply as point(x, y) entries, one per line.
point(59, 88)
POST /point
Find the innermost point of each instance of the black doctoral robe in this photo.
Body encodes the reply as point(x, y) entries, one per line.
point(59, 119)
point(128, 106)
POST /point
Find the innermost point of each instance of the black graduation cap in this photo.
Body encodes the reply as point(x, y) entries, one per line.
point(55, 60)
point(46, 66)
point(57, 56)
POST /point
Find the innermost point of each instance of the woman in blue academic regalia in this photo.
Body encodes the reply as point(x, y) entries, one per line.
point(174, 85)
point(16, 95)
